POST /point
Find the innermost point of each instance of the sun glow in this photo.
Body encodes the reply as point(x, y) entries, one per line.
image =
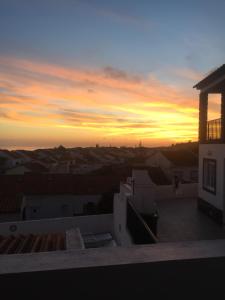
point(76, 106)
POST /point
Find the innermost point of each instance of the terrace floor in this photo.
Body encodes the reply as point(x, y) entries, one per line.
point(180, 220)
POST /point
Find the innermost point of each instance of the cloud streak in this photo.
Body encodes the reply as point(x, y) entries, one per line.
point(97, 103)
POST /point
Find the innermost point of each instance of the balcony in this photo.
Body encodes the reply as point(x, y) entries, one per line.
point(214, 130)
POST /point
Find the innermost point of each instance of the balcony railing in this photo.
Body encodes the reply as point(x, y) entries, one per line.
point(138, 228)
point(214, 129)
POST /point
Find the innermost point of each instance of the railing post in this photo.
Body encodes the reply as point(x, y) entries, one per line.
point(214, 130)
point(223, 117)
point(203, 107)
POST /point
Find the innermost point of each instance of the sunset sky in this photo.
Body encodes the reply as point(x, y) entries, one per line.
point(83, 72)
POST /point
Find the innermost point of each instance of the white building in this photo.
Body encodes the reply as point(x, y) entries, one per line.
point(55, 206)
point(212, 147)
point(135, 209)
point(181, 163)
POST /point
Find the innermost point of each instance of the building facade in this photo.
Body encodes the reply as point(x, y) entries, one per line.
point(212, 147)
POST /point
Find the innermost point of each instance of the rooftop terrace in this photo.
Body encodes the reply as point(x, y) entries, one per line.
point(180, 220)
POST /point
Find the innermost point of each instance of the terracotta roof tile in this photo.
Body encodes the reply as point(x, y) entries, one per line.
point(32, 243)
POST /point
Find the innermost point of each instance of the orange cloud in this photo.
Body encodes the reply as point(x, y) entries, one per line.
point(101, 103)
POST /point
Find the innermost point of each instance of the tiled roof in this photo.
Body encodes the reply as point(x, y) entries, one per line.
point(181, 158)
point(32, 243)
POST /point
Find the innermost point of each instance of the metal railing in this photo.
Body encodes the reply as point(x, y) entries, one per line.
point(137, 227)
point(214, 129)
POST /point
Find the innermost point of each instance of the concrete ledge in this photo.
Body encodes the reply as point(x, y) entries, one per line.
point(176, 271)
point(86, 224)
point(75, 259)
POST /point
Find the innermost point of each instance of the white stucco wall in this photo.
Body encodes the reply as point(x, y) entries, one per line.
point(217, 152)
point(185, 171)
point(56, 206)
point(87, 225)
point(122, 236)
point(144, 192)
point(8, 217)
point(144, 199)
point(187, 190)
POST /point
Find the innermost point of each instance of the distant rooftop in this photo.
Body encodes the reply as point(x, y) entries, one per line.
point(181, 158)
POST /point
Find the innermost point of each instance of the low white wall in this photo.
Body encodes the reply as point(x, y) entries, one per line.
point(185, 191)
point(9, 217)
point(121, 233)
point(86, 224)
point(56, 206)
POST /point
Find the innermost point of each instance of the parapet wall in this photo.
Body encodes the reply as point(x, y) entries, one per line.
point(86, 224)
point(169, 270)
point(187, 190)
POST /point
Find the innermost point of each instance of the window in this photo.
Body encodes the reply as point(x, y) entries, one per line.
point(209, 175)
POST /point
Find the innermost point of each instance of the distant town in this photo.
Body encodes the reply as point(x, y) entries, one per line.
point(95, 171)
point(92, 160)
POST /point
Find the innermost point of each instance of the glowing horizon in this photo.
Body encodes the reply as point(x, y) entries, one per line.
point(106, 106)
